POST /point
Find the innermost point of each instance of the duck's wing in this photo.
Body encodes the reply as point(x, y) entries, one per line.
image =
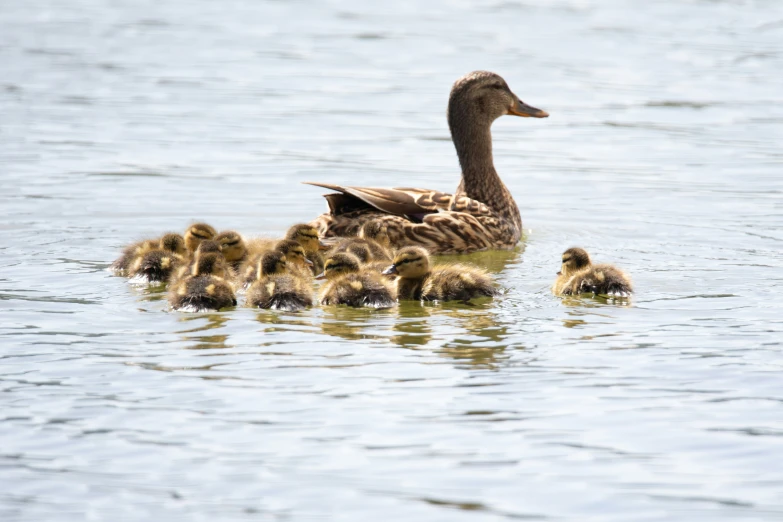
point(408, 202)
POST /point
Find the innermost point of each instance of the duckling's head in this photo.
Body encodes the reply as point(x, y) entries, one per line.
point(232, 245)
point(339, 264)
point(481, 97)
point(210, 264)
point(574, 259)
point(293, 251)
point(272, 263)
point(410, 263)
point(208, 246)
point(305, 235)
point(356, 246)
point(197, 233)
point(173, 243)
point(376, 230)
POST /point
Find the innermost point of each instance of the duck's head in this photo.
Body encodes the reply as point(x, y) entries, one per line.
point(232, 245)
point(173, 243)
point(339, 264)
point(210, 264)
point(197, 233)
point(208, 246)
point(410, 263)
point(574, 259)
point(376, 230)
point(483, 97)
point(272, 263)
point(357, 247)
point(306, 235)
point(293, 251)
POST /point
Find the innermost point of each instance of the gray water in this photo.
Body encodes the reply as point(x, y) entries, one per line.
point(121, 120)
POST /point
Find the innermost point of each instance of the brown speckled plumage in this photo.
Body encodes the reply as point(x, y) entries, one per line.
point(480, 215)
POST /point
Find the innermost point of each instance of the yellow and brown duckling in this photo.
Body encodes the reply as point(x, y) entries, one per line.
point(378, 231)
point(233, 247)
point(197, 233)
point(307, 236)
point(348, 284)
point(417, 279)
point(157, 265)
point(131, 253)
point(297, 261)
point(578, 275)
point(206, 288)
point(277, 289)
point(363, 251)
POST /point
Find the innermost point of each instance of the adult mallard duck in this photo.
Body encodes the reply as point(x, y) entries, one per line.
point(578, 275)
point(480, 215)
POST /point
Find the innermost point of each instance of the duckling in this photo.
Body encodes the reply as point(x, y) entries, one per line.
point(206, 288)
point(307, 236)
point(377, 252)
point(361, 249)
point(298, 264)
point(579, 275)
point(207, 246)
point(130, 253)
point(277, 289)
point(453, 282)
point(233, 247)
point(197, 233)
point(157, 265)
point(377, 231)
point(347, 284)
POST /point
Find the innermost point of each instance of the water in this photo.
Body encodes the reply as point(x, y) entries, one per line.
point(662, 155)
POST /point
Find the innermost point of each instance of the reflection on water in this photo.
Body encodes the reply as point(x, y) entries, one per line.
point(122, 120)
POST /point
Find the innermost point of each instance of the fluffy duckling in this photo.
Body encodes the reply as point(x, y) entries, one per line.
point(233, 247)
point(347, 284)
point(376, 232)
point(307, 236)
point(275, 288)
point(298, 264)
point(377, 252)
point(453, 282)
point(132, 252)
point(206, 288)
point(197, 233)
point(157, 265)
point(207, 246)
point(579, 275)
point(361, 249)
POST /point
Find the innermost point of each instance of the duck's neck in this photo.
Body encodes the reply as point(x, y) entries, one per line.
point(480, 180)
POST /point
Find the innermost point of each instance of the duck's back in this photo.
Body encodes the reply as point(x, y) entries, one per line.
point(280, 292)
point(359, 290)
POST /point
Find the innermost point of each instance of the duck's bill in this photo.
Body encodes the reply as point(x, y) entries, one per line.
point(308, 262)
point(323, 246)
point(526, 111)
point(321, 276)
point(390, 271)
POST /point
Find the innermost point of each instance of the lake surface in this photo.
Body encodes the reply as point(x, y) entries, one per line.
point(662, 154)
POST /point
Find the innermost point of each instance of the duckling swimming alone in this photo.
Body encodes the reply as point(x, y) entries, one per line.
point(276, 289)
point(348, 285)
point(206, 288)
point(578, 276)
point(453, 282)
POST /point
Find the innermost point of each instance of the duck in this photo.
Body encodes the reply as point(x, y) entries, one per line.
point(277, 289)
point(417, 279)
point(362, 249)
point(347, 284)
point(480, 215)
point(307, 236)
point(206, 288)
point(131, 253)
point(233, 247)
point(197, 233)
point(377, 230)
point(206, 246)
point(297, 261)
point(158, 264)
point(578, 275)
